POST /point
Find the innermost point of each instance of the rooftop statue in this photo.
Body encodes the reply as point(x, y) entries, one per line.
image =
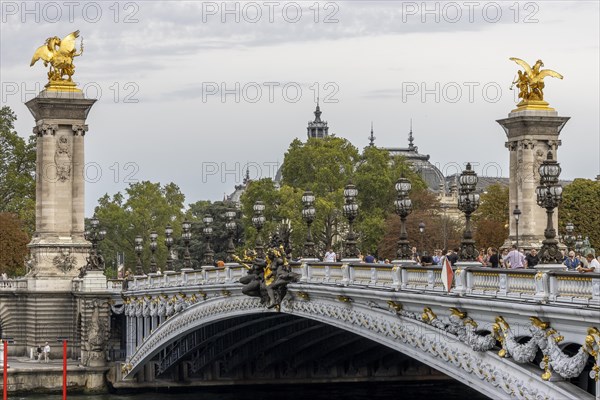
point(59, 53)
point(531, 85)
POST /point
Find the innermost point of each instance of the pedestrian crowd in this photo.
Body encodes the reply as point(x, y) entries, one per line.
point(513, 258)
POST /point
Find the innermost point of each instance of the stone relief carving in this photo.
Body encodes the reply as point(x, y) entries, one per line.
point(32, 266)
point(62, 159)
point(96, 337)
point(65, 262)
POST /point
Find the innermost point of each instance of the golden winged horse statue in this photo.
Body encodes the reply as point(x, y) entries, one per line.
point(531, 84)
point(59, 53)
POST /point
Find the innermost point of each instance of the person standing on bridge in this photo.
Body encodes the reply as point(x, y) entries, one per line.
point(592, 266)
point(515, 258)
point(330, 256)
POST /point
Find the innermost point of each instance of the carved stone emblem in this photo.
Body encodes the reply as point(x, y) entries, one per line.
point(62, 159)
point(65, 261)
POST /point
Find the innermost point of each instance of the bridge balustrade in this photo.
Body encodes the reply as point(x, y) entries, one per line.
point(13, 284)
point(530, 285)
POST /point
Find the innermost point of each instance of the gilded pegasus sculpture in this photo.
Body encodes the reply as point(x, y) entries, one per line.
point(59, 54)
point(530, 83)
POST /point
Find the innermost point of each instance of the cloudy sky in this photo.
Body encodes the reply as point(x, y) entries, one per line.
point(191, 92)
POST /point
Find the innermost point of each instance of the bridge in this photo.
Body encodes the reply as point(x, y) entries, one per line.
point(519, 333)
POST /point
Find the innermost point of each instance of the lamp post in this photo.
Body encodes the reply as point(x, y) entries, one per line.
point(549, 196)
point(468, 202)
point(403, 206)
point(258, 220)
point(186, 235)
point(94, 234)
point(517, 215)
point(139, 270)
point(308, 214)
point(153, 246)
point(209, 254)
point(569, 237)
point(421, 232)
point(231, 226)
point(350, 212)
point(169, 243)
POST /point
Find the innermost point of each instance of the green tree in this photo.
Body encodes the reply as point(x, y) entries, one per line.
point(375, 179)
point(282, 213)
point(13, 245)
point(490, 221)
point(17, 171)
point(581, 206)
point(324, 166)
point(220, 237)
point(144, 208)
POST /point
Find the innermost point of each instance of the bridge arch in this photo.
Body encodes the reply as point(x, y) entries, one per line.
point(485, 372)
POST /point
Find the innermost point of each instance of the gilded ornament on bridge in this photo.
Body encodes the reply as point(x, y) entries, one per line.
point(546, 339)
point(59, 54)
point(268, 278)
point(530, 83)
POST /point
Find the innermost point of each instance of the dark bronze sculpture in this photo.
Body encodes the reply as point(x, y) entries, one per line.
point(267, 278)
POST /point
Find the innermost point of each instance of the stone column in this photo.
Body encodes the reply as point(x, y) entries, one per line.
point(531, 135)
point(58, 248)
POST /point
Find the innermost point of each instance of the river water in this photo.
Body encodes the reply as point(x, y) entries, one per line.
point(442, 390)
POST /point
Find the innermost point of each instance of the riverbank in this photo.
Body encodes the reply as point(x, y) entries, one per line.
point(31, 376)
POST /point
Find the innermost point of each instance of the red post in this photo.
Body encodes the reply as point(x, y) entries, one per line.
point(5, 370)
point(64, 370)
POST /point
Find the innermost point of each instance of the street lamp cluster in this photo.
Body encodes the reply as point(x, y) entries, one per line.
point(468, 202)
point(549, 196)
point(186, 237)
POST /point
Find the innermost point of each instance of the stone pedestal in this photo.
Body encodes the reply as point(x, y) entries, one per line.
point(94, 281)
point(531, 135)
point(58, 248)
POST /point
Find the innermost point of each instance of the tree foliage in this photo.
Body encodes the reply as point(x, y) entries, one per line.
point(325, 166)
point(220, 238)
point(144, 208)
point(13, 245)
point(17, 171)
point(581, 206)
point(490, 221)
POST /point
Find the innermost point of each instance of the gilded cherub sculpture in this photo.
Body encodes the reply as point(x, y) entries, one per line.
point(531, 85)
point(59, 53)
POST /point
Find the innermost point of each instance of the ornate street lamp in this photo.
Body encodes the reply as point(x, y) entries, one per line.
point(569, 237)
point(468, 202)
point(549, 196)
point(209, 254)
point(308, 214)
point(186, 235)
point(94, 234)
point(153, 246)
point(403, 205)
point(139, 270)
point(169, 243)
point(231, 227)
point(350, 212)
point(517, 215)
point(258, 220)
